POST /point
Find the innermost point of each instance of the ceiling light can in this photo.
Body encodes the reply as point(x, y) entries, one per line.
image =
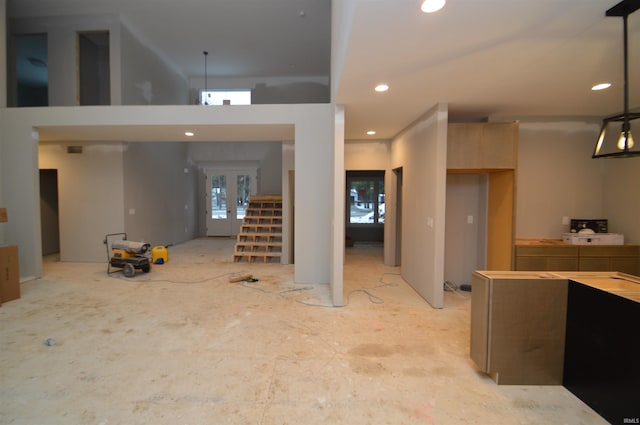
point(381, 88)
point(430, 6)
point(601, 86)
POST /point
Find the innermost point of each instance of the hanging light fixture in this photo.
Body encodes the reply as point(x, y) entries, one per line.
point(615, 139)
point(205, 101)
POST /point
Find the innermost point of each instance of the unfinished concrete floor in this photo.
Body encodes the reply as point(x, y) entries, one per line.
point(183, 345)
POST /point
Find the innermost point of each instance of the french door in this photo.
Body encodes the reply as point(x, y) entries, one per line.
point(228, 193)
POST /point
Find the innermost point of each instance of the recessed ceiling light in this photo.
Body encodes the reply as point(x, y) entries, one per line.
point(430, 6)
point(601, 86)
point(189, 133)
point(371, 132)
point(382, 87)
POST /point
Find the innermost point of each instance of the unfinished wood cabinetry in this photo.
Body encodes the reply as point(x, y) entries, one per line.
point(482, 145)
point(9, 274)
point(547, 258)
point(492, 149)
point(552, 255)
point(518, 327)
point(620, 258)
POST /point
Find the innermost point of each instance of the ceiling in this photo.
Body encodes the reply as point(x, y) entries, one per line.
point(484, 58)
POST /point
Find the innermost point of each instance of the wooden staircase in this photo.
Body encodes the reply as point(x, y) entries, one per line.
point(260, 234)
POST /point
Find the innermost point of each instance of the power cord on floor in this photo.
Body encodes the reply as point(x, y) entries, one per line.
point(128, 279)
point(457, 289)
point(374, 299)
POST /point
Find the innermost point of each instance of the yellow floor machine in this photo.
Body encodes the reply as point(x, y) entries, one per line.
point(126, 255)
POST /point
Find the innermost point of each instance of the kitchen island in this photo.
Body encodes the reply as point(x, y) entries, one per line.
point(576, 329)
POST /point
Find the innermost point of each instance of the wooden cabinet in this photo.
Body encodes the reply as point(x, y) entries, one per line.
point(491, 149)
point(558, 256)
point(472, 146)
point(518, 326)
point(621, 258)
point(547, 258)
point(9, 274)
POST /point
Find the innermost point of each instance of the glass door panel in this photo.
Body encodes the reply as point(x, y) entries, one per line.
point(228, 193)
point(243, 185)
point(219, 197)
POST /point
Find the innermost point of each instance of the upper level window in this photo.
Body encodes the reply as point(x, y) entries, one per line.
point(225, 97)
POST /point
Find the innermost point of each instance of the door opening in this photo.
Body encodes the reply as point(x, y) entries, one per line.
point(398, 236)
point(365, 206)
point(228, 194)
point(94, 77)
point(31, 68)
point(465, 226)
point(49, 216)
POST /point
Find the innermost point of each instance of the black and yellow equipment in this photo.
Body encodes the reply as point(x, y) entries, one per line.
point(126, 255)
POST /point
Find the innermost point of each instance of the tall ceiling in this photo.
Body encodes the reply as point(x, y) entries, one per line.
point(485, 58)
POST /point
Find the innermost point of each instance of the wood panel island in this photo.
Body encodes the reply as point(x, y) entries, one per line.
point(576, 329)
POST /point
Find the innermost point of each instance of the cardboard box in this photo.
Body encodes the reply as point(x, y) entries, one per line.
point(9, 274)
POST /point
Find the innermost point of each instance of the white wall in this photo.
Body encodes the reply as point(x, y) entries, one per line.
point(145, 78)
point(621, 205)
point(421, 152)
point(20, 181)
point(90, 197)
point(314, 195)
point(266, 155)
point(556, 176)
point(338, 218)
point(367, 155)
point(159, 196)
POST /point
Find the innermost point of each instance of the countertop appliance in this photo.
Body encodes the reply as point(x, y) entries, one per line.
point(598, 225)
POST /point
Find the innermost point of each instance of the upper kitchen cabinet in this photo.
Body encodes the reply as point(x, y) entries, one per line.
point(482, 146)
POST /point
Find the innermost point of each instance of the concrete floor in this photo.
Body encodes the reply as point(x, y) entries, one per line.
point(183, 345)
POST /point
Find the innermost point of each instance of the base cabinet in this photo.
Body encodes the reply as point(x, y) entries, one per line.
point(566, 257)
point(518, 327)
point(9, 274)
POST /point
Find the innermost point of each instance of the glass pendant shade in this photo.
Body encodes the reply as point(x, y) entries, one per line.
point(614, 140)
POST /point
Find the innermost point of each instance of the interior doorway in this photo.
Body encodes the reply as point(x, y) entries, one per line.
point(227, 196)
point(465, 226)
point(94, 77)
point(365, 206)
point(397, 172)
point(31, 68)
point(49, 215)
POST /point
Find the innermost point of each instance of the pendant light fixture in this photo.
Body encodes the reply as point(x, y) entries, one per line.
point(205, 100)
point(615, 139)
